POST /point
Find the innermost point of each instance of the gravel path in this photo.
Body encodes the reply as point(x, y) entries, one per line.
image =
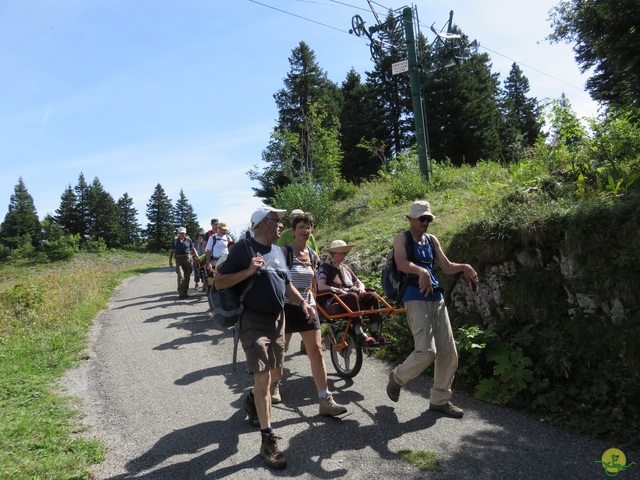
point(159, 390)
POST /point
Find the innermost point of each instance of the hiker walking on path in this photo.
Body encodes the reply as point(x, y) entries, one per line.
point(302, 261)
point(262, 322)
point(182, 249)
point(426, 312)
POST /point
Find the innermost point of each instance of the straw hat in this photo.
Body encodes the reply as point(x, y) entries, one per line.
point(339, 246)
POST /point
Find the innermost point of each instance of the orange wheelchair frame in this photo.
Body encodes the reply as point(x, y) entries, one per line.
point(346, 353)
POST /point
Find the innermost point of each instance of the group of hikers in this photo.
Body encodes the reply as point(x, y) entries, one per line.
point(280, 267)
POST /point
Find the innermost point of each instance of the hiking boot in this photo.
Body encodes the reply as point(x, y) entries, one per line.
point(250, 407)
point(448, 409)
point(329, 407)
point(270, 451)
point(393, 389)
point(275, 393)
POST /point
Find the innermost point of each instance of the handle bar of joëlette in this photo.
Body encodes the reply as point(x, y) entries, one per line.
point(349, 314)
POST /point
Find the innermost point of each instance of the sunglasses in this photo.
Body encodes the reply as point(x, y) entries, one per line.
point(425, 218)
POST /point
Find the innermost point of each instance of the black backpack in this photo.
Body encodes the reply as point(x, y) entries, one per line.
point(313, 257)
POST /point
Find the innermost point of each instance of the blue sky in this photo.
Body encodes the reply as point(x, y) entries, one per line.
point(141, 92)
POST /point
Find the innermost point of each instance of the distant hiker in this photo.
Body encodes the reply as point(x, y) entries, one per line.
point(426, 312)
point(198, 273)
point(183, 249)
point(262, 321)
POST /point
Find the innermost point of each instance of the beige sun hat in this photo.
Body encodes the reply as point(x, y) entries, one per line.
point(420, 208)
point(296, 212)
point(340, 246)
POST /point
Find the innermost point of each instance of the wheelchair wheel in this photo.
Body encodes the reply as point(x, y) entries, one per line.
point(348, 362)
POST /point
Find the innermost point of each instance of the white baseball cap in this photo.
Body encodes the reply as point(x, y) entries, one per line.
point(262, 212)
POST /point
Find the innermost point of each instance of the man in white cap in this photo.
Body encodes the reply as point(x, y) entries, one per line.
point(182, 248)
point(426, 312)
point(287, 236)
point(262, 321)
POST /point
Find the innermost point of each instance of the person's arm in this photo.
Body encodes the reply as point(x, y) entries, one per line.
point(294, 297)
point(207, 251)
point(228, 280)
point(451, 268)
point(322, 284)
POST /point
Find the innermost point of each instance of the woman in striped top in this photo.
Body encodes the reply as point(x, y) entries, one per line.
point(302, 262)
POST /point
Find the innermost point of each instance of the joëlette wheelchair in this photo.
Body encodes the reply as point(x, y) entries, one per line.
point(346, 353)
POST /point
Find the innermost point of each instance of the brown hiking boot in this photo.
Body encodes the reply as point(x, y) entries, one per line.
point(250, 407)
point(270, 451)
point(275, 393)
point(393, 389)
point(448, 409)
point(329, 407)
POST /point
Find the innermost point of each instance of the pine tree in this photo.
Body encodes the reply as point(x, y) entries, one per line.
point(521, 116)
point(66, 214)
point(184, 216)
point(160, 230)
point(462, 111)
point(83, 207)
point(21, 221)
point(356, 119)
point(393, 114)
point(308, 119)
point(128, 221)
point(103, 215)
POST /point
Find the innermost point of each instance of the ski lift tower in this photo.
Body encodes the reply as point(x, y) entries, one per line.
point(446, 44)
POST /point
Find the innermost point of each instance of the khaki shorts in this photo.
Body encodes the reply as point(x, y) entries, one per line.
point(262, 339)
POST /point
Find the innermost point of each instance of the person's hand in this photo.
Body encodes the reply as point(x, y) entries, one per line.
point(471, 275)
point(424, 283)
point(170, 264)
point(256, 264)
point(310, 312)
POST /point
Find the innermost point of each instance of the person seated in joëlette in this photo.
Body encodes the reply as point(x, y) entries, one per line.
point(335, 276)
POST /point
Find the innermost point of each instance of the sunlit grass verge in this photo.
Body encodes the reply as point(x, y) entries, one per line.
point(45, 313)
point(424, 460)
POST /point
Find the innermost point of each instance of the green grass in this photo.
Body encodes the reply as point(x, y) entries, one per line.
point(45, 313)
point(423, 460)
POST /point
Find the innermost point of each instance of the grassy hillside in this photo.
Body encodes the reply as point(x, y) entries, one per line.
point(575, 364)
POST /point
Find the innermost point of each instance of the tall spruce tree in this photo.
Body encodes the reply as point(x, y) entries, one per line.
point(21, 221)
point(66, 214)
point(308, 117)
point(103, 216)
point(128, 221)
point(521, 115)
point(184, 216)
point(82, 192)
point(392, 93)
point(461, 103)
point(160, 230)
point(356, 119)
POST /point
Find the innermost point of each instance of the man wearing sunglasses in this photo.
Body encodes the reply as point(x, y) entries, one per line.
point(426, 312)
point(262, 323)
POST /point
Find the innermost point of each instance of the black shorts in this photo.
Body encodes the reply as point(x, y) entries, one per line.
point(297, 321)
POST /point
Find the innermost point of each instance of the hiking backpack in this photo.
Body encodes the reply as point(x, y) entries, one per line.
point(313, 257)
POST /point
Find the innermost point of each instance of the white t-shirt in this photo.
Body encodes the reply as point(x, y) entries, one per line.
point(221, 246)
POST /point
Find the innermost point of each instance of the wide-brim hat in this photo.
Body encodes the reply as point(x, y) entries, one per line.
point(294, 213)
point(420, 208)
point(339, 246)
point(262, 212)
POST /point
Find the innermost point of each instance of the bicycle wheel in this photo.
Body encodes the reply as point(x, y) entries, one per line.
point(348, 362)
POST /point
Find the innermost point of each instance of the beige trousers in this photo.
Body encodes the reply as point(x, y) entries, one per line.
point(433, 342)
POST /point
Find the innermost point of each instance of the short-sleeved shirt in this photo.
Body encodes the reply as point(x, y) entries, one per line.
point(182, 247)
point(267, 294)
